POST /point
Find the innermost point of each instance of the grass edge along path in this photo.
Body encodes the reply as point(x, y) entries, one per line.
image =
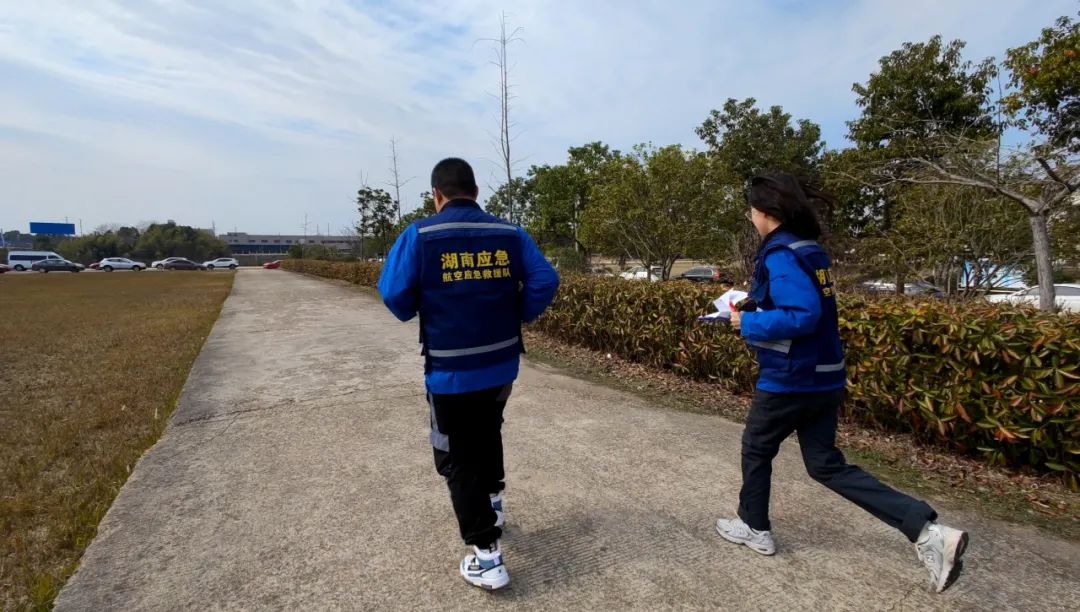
point(93, 367)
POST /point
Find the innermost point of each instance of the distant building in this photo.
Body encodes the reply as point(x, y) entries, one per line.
point(241, 243)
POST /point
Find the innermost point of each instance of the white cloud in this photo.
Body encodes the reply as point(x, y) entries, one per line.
point(251, 113)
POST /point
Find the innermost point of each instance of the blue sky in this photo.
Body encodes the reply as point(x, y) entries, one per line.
point(249, 114)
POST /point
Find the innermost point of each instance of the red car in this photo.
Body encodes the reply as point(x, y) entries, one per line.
point(94, 266)
point(272, 265)
point(4, 268)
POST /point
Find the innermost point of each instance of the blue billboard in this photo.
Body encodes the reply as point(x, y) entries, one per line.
point(53, 229)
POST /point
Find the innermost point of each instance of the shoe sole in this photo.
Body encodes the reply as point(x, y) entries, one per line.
point(956, 562)
point(488, 586)
point(760, 551)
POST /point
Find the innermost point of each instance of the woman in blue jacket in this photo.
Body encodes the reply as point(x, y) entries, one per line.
point(801, 383)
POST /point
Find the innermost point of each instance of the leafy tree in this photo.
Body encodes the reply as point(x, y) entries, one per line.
point(427, 208)
point(653, 205)
point(515, 196)
point(44, 242)
point(1041, 182)
point(561, 194)
point(746, 141)
point(920, 93)
point(162, 240)
point(1045, 76)
point(378, 214)
point(93, 247)
point(1039, 177)
point(128, 236)
point(942, 228)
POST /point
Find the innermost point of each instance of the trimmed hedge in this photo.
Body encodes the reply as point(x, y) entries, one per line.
point(359, 273)
point(976, 377)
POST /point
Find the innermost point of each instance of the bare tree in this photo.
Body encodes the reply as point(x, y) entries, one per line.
point(501, 61)
point(397, 183)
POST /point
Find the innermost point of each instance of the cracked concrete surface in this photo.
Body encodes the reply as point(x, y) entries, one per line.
point(295, 473)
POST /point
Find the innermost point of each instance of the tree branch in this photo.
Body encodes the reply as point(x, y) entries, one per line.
point(948, 177)
point(1054, 175)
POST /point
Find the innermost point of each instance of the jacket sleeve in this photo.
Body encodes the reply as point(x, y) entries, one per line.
point(795, 297)
point(399, 282)
point(541, 280)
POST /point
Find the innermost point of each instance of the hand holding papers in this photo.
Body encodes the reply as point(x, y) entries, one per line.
point(724, 305)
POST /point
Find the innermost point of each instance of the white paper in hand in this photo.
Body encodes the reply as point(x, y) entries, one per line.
point(724, 302)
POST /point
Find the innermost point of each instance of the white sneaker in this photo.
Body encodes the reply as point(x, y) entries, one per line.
point(484, 568)
point(940, 548)
point(738, 532)
point(497, 506)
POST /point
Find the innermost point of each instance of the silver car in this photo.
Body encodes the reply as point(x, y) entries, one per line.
point(1067, 297)
point(222, 262)
point(120, 263)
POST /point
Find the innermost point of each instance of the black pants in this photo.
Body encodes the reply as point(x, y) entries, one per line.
point(773, 416)
point(473, 461)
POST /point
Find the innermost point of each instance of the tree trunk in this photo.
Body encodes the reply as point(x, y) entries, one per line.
point(1043, 263)
point(899, 283)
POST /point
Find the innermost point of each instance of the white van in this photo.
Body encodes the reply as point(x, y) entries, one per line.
point(22, 260)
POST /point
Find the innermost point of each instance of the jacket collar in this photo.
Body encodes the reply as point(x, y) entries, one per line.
point(461, 203)
point(770, 237)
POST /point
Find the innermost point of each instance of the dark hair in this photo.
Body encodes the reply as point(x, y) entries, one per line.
point(790, 201)
point(454, 177)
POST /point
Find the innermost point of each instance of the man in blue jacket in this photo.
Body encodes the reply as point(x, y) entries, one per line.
point(474, 279)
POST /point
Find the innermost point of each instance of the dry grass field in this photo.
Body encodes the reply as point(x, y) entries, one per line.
point(91, 366)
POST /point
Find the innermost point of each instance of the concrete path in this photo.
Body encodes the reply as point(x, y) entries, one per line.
point(295, 474)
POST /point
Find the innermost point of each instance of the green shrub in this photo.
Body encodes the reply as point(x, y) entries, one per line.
point(976, 377)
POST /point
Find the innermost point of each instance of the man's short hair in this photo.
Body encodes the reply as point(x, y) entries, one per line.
point(454, 177)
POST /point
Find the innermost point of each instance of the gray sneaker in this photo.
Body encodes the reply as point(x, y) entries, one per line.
point(738, 532)
point(941, 552)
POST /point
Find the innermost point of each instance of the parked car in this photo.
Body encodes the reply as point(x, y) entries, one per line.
point(94, 266)
point(56, 265)
point(272, 265)
point(23, 260)
point(179, 263)
point(704, 274)
point(1066, 296)
point(641, 273)
point(4, 268)
point(222, 262)
point(601, 271)
point(120, 263)
point(910, 288)
point(160, 264)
